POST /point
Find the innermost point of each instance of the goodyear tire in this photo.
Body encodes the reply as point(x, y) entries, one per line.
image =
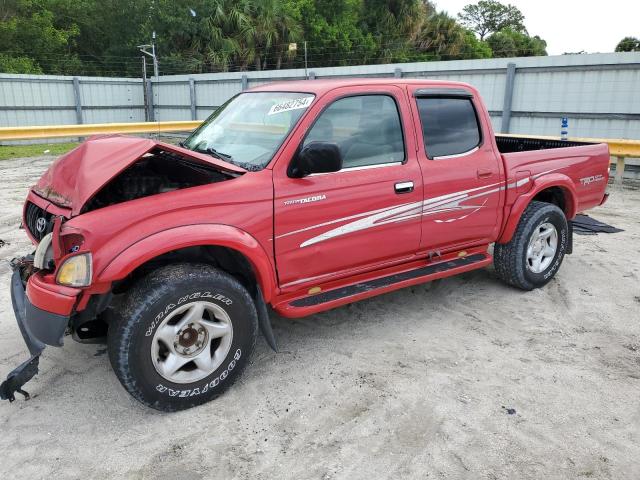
point(183, 335)
point(534, 254)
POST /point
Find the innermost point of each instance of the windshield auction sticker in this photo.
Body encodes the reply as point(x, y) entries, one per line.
point(294, 104)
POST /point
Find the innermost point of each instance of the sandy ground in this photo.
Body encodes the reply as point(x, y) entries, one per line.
point(412, 384)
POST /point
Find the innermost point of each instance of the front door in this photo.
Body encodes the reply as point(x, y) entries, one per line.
point(333, 225)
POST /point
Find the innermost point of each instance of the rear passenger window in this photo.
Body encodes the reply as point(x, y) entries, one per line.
point(366, 128)
point(449, 126)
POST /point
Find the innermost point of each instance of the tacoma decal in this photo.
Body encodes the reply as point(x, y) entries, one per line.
point(315, 198)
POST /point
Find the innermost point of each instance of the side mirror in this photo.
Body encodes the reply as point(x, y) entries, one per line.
point(316, 157)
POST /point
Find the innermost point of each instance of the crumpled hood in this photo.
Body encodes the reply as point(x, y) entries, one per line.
point(73, 179)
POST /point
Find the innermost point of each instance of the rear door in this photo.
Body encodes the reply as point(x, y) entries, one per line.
point(462, 174)
point(333, 225)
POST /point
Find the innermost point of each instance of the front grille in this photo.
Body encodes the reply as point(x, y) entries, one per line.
point(39, 222)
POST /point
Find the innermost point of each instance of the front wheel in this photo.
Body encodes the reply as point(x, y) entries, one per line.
point(184, 334)
point(535, 252)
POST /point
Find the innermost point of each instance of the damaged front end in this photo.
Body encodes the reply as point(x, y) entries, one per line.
point(54, 291)
point(38, 328)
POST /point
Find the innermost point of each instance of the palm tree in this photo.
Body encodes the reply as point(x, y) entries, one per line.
point(397, 25)
point(272, 28)
point(220, 41)
point(441, 36)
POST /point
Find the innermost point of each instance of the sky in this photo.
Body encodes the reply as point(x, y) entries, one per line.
point(572, 25)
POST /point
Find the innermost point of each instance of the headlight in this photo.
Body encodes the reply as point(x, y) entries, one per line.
point(75, 271)
point(43, 257)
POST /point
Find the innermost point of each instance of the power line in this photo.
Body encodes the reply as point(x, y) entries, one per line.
point(317, 57)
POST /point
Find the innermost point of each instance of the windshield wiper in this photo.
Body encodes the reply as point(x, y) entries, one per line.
point(228, 158)
point(221, 155)
point(215, 153)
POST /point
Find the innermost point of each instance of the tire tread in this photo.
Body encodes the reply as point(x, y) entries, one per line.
point(507, 256)
point(142, 295)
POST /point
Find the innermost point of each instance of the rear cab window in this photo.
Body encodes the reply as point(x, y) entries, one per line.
point(450, 124)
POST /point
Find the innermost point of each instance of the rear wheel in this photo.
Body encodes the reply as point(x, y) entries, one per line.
point(184, 334)
point(535, 252)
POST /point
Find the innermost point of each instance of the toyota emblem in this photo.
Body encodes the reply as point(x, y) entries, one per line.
point(41, 224)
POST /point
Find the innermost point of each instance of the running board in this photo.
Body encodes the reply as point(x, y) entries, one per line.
point(365, 288)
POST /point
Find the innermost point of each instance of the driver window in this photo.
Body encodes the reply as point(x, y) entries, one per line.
point(366, 128)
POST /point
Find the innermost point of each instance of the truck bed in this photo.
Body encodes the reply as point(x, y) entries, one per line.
point(522, 144)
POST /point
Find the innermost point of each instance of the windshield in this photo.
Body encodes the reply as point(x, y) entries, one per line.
point(248, 129)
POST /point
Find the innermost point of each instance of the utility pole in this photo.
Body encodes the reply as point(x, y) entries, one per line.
point(146, 85)
point(155, 56)
point(144, 88)
point(152, 54)
point(144, 68)
point(306, 75)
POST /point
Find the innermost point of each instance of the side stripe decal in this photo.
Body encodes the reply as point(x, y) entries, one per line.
point(398, 213)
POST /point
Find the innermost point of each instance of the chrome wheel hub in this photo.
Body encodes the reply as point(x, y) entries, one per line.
point(192, 342)
point(542, 247)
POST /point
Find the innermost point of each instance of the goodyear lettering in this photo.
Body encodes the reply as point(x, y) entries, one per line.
point(205, 388)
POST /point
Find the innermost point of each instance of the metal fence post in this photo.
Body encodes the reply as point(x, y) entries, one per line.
point(397, 73)
point(149, 97)
point(619, 170)
point(245, 82)
point(78, 102)
point(192, 97)
point(508, 97)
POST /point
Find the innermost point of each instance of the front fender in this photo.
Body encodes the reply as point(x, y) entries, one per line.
point(189, 236)
point(538, 185)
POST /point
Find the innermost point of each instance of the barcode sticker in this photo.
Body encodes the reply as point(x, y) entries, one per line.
point(294, 104)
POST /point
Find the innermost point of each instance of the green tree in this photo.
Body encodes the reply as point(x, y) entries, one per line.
point(205, 35)
point(28, 31)
point(101, 37)
point(13, 64)
point(395, 26)
point(509, 43)
point(108, 32)
point(473, 48)
point(335, 33)
point(628, 44)
point(490, 16)
point(273, 25)
point(441, 37)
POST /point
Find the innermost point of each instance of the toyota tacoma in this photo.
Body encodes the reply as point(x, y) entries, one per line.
point(298, 197)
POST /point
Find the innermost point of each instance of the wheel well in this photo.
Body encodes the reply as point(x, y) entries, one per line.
point(554, 195)
point(227, 259)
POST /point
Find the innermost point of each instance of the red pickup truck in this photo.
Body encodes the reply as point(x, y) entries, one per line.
point(299, 196)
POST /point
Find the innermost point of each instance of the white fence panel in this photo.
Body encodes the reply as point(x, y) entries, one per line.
point(599, 93)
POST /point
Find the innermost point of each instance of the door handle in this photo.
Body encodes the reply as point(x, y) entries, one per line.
point(483, 173)
point(404, 187)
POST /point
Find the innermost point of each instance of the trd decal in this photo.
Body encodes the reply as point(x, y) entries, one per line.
point(592, 179)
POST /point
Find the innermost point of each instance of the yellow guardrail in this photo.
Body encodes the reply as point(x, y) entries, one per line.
point(619, 149)
point(58, 131)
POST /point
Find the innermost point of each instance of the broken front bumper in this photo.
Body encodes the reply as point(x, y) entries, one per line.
point(38, 327)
